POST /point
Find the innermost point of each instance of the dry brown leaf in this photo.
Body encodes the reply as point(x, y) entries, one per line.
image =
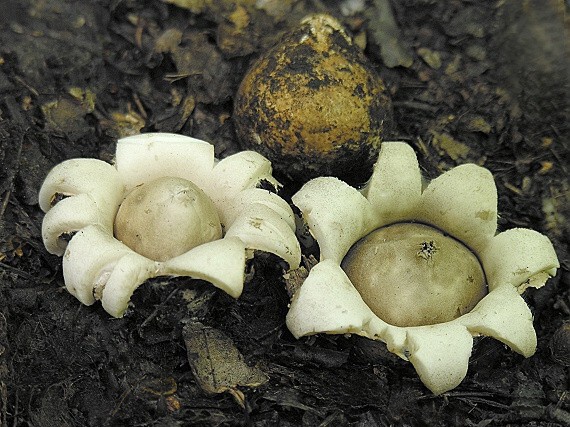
point(216, 363)
point(448, 145)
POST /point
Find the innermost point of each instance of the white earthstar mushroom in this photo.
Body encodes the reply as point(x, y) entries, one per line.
point(166, 207)
point(396, 260)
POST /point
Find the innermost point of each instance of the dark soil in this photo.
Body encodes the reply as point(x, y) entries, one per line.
point(482, 82)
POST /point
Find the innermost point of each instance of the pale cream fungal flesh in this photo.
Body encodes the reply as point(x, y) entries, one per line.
point(166, 217)
point(166, 207)
point(420, 267)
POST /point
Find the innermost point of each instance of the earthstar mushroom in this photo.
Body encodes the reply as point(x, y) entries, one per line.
point(166, 207)
point(404, 232)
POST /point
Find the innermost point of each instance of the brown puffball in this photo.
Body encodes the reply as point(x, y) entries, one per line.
point(313, 104)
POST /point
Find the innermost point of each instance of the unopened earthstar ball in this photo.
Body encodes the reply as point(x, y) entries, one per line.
point(313, 104)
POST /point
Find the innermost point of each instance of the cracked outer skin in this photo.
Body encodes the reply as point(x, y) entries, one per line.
point(314, 105)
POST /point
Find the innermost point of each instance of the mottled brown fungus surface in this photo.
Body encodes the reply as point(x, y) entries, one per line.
point(313, 104)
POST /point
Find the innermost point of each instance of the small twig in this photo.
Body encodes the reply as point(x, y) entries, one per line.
point(415, 105)
point(5, 203)
point(19, 272)
point(12, 175)
point(155, 311)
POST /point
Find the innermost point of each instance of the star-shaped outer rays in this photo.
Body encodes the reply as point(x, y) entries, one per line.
point(81, 198)
point(463, 203)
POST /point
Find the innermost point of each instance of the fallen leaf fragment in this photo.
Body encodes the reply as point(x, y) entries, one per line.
point(216, 363)
point(448, 145)
point(386, 33)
